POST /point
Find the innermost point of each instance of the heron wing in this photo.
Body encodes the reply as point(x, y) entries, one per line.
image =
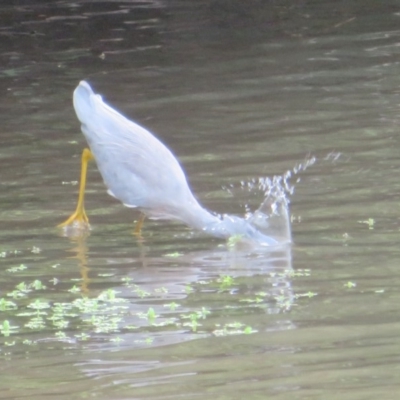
point(137, 168)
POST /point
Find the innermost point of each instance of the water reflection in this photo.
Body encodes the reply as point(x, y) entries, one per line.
point(80, 254)
point(238, 259)
point(267, 272)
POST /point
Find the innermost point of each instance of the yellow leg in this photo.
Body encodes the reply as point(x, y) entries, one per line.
point(79, 216)
point(139, 224)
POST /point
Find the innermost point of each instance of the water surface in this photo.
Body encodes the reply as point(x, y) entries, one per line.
point(238, 91)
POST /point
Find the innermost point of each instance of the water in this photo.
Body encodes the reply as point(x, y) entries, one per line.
point(238, 91)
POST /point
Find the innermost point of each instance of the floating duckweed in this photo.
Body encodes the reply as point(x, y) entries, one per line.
point(82, 336)
point(140, 292)
point(74, 289)
point(226, 282)
point(60, 335)
point(162, 290)
point(7, 329)
point(193, 322)
point(370, 222)
point(147, 341)
point(38, 285)
point(36, 323)
point(110, 296)
point(172, 306)
point(233, 328)
point(234, 240)
point(20, 268)
point(188, 289)
point(39, 305)
point(7, 305)
point(151, 315)
point(117, 340)
point(82, 318)
point(308, 295)
point(173, 255)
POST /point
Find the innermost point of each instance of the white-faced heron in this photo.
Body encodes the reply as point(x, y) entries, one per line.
point(141, 172)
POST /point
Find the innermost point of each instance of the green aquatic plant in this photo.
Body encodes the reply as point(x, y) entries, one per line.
point(193, 322)
point(225, 282)
point(6, 305)
point(4, 254)
point(161, 290)
point(82, 336)
point(309, 295)
point(6, 329)
point(148, 341)
point(61, 335)
point(20, 268)
point(233, 328)
point(174, 255)
point(23, 289)
point(36, 250)
point(188, 289)
point(172, 306)
point(140, 292)
point(253, 300)
point(117, 340)
point(370, 222)
point(150, 315)
point(74, 289)
point(37, 285)
point(194, 317)
point(290, 273)
point(86, 316)
point(110, 295)
point(234, 240)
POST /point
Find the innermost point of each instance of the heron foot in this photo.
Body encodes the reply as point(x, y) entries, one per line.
point(78, 219)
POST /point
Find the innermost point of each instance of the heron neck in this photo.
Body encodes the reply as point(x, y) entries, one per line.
point(198, 217)
point(226, 226)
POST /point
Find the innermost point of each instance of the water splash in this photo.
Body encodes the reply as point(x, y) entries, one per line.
point(272, 216)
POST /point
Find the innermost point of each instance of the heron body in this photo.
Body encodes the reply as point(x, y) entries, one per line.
point(140, 171)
